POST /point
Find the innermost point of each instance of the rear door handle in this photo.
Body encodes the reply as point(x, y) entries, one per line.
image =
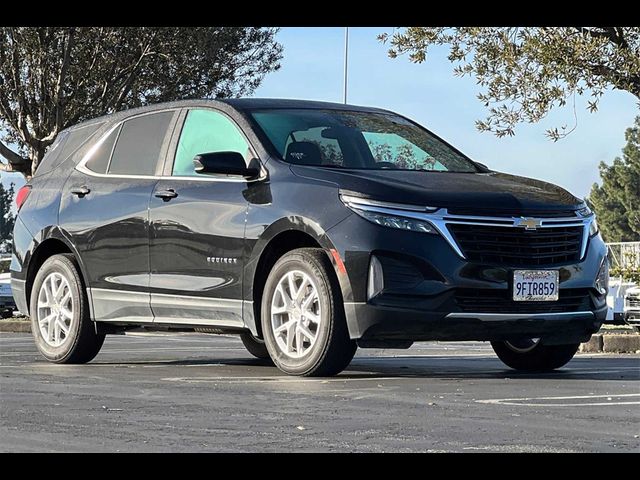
point(81, 191)
point(167, 194)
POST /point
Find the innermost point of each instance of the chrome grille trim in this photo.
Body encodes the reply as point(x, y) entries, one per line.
point(440, 218)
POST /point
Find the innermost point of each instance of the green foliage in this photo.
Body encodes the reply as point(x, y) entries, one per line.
point(630, 272)
point(7, 218)
point(54, 77)
point(617, 201)
point(526, 71)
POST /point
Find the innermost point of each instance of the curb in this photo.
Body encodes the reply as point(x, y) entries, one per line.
point(15, 326)
point(612, 343)
point(599, 343)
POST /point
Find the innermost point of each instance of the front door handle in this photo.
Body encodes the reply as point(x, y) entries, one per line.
point(80, 191)
point(167, 194)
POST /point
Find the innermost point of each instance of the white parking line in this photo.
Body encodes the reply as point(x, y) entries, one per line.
point(531, 401)
point(278, 379)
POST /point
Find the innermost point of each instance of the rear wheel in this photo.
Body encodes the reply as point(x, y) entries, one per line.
point(59, 309)
point(303, 319)
point(531, 355)
point(254, 345)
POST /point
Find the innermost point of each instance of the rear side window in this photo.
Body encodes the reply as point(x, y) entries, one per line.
point(139, 144)
point(99, 160)
point(66, 144)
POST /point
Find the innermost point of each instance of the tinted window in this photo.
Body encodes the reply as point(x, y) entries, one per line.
point(357, 140)
point(68, 143)
point(206, 131)
point(99, 160)
point(138, 147)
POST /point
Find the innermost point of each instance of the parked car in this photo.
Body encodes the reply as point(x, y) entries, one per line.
point(307, 228)
point(632, 307)
point(7, 305)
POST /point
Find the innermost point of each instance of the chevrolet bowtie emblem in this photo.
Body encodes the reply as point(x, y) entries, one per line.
point(527, 223)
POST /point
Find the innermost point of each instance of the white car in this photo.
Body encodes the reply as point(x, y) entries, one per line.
point(632, 307)
point(7, 304)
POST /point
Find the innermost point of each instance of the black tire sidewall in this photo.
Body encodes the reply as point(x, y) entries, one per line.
point(255, 346)
point(64, 266)
point(542, 358)
point(308, 265)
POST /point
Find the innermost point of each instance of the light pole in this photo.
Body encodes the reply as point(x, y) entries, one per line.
point(346, 61)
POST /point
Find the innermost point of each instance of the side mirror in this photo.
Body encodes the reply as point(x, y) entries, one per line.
point(224, 163)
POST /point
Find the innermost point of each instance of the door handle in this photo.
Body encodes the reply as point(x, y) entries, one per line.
point(80, 191)
point(166, 195)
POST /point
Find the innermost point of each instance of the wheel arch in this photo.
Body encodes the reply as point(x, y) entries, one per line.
point(53, 242)
point(279, 238)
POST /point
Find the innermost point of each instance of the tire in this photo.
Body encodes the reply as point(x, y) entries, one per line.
point(81, 343)
point(535, 357)
point(255, 346)
point(331, 349)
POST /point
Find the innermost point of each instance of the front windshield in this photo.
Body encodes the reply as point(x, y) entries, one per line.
point(357, 140)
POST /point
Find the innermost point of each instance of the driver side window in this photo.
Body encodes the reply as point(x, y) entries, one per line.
point(206, 131)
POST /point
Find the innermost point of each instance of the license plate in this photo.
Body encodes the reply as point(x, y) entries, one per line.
point(535, 285)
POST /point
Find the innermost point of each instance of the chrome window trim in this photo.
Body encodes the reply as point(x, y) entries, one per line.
point(440, 218)
point(81, 167)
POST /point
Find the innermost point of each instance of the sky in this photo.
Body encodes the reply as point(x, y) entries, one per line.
point(312, 68)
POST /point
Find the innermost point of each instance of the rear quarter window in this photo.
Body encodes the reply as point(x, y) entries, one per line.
point(65, 145)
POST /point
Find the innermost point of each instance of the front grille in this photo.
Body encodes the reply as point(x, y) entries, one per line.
point(500, 301)
point(509, 212)
point(515, 247)
point(633, 302)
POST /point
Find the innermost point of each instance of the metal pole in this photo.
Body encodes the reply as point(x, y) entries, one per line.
point(346, 60)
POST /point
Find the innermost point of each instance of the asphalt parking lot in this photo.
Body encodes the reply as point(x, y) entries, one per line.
point(191, 392)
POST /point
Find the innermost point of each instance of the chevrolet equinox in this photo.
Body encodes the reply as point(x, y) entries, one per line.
point(308, 229)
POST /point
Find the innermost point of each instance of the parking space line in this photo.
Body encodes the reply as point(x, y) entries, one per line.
point(531, 401)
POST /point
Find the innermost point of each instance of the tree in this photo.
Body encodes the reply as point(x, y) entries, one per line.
point(54, 77)
point(617, 201)
point(526, 71)
point(6, 217)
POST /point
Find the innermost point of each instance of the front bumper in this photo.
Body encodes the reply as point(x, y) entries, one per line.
point(372, 322)
point(421, 299)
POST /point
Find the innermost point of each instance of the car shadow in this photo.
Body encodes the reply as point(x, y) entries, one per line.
point(449, 367)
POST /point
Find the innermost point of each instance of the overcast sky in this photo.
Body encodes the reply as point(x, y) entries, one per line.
point(430, 94)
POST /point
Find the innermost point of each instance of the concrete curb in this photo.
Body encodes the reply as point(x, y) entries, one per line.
point(15, 326)
point(599, 343)
point(612, 343)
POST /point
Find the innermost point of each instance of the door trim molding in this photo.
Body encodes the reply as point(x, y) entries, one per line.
point(111, 301)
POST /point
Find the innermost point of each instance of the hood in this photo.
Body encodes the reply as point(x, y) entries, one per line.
point(481, 192)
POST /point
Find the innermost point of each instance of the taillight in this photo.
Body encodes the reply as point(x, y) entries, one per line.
point(22, 195)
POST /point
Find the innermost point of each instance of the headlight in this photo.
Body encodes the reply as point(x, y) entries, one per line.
point(593, 227)
point(602, 279)
point(389, 214)
point(393, 221)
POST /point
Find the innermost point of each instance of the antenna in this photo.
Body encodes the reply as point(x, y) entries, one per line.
point(346, 61)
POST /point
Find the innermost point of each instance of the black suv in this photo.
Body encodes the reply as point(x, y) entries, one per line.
point(308, 229)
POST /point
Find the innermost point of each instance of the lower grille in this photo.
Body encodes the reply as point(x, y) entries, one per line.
point(500, 301)
point(515, 247)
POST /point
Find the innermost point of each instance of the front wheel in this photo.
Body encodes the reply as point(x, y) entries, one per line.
point(303, 318)
point(530, 355)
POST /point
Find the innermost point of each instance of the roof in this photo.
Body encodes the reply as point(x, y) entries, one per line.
point(274, 103)
point(240, 104)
